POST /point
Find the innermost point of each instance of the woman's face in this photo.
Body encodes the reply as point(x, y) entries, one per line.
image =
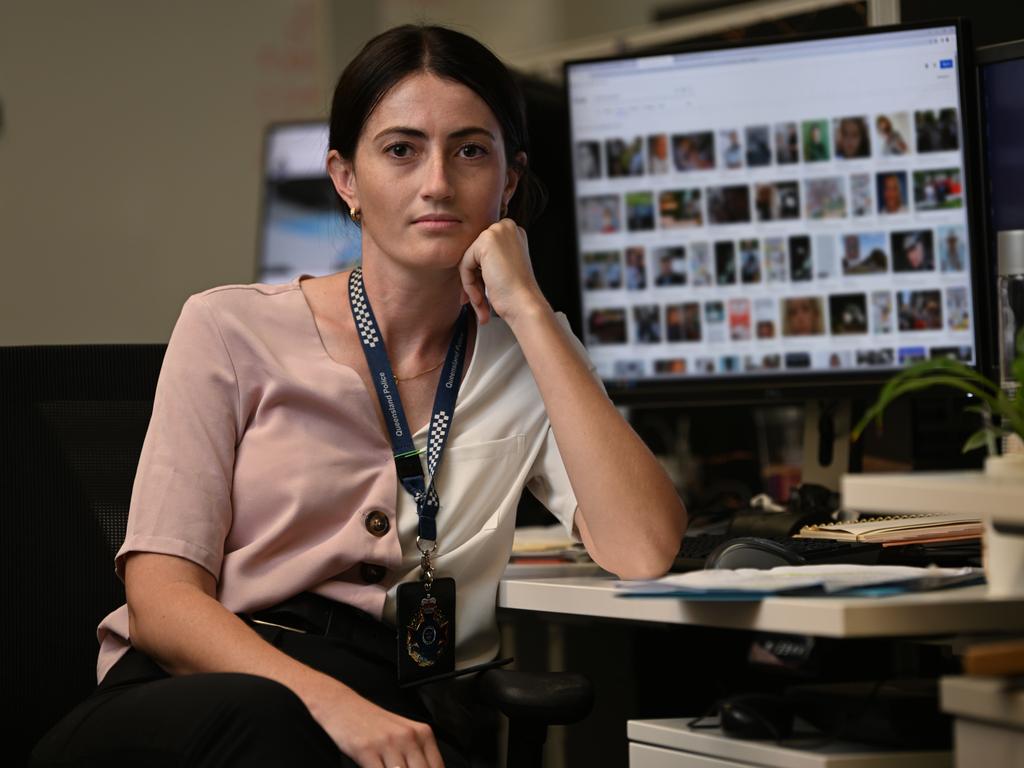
point(915, 255)
point(892, 194)
point(429, 173)
point(850, 136)
point(801, 316)
point(659, 146)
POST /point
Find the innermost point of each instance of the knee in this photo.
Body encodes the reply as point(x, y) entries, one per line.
point(256, 702)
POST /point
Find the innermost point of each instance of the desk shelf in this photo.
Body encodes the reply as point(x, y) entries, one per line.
point(669, 743)
point(934, 492)
point(951, 611)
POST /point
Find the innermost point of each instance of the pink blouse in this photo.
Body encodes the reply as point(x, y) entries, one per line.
point(266, 465)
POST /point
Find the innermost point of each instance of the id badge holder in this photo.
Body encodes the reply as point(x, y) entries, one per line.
point(426, 630)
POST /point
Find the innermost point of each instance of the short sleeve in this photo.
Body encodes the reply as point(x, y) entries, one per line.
point(548, 481)
point(181, 499)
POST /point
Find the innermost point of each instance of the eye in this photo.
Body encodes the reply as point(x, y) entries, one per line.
point(472, 151)
point(400, 150)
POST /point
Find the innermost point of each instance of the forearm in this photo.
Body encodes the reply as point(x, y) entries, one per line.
point(632, 517)
point(175, 618)
point(187, 631)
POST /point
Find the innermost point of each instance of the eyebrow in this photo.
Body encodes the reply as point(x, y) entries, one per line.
point(418, 134)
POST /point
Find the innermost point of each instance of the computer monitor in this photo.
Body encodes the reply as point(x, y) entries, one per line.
point(301, 231)
point(786, 220)
point(780, 219)
point(1000, 74)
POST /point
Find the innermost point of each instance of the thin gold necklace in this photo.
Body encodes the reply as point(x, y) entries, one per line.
point(421, 373)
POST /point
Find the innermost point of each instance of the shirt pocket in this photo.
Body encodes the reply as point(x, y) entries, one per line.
point(485, 475)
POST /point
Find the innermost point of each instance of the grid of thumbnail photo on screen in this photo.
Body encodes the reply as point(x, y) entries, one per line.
point(879, 241)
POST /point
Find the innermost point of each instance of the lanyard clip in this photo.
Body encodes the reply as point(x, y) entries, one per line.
point(408, 466)
point(425, 546)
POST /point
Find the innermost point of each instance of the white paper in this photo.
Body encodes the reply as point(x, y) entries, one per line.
point(831, 577)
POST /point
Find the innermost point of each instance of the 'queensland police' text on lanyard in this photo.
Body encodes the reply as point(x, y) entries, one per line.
point(426, 610)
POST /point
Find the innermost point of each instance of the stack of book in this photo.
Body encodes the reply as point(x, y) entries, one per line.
point(897, 530)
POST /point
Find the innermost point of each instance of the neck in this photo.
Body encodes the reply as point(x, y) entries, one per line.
point(415, 309)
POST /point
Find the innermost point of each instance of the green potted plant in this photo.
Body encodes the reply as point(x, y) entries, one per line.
point(1003, 414)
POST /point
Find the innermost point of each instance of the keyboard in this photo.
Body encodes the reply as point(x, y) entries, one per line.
point(695, 550)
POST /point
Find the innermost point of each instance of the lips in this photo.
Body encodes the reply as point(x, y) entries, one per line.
point(438, 218)
point(436, 222)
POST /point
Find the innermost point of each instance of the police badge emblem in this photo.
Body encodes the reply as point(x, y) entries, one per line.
point(426, 636)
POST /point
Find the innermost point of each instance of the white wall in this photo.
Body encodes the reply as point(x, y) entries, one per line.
point(130, 159)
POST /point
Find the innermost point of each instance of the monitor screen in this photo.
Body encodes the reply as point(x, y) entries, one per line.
point(301, 231)
point(1002, 73)
point(786, 211)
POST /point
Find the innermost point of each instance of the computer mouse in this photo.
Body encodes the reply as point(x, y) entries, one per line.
point(752, 552)
point(756, 716)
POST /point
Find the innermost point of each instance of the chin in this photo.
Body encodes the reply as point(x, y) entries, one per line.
point(441, 252)
point(438, 258)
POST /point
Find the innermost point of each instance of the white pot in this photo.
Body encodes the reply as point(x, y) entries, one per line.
point(1003, 550)
point(1010, 465)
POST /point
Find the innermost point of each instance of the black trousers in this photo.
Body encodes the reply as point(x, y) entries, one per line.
point(139, 715)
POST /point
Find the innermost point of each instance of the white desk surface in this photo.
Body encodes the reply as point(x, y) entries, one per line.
point(952, 611)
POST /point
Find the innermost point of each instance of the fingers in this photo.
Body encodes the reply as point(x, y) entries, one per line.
point(502, 252)
point(523, 239)
point(433, 754)
point(416, 749)
point(473, 284)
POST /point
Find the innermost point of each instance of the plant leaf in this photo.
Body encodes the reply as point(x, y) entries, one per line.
point(978, 440)
point(1007, 412)
point(1017, 369)
point(984, 410)
point(896, 388)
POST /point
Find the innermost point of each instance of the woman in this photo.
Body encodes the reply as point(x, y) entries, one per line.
point(893, 142)
point(269, 537)
point(852, 138)
point(891, 198)
point(802, 316)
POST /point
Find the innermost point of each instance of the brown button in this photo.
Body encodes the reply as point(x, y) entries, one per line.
point(372, 573)
point(377, 523)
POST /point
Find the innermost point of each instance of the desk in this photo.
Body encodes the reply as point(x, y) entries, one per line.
point(656, 742)
point(952, 611)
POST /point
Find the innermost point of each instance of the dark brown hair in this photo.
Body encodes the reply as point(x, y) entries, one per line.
point(406, 50)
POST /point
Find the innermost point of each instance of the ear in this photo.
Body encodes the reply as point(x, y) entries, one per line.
point(343, 176)
point(512, 176)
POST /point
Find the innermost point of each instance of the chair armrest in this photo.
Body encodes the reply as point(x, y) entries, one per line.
point(552, 698)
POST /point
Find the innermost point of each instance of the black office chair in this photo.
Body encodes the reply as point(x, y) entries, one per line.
point(72, 424)
point(72, 421)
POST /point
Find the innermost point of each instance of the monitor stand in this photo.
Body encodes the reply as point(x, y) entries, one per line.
point(826, 448)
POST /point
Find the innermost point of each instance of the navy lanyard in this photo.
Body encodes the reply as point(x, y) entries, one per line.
point(407, 460)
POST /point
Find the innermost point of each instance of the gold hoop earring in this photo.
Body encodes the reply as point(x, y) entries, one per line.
point(355, 214)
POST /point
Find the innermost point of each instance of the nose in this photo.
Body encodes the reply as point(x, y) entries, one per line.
point(436, 182)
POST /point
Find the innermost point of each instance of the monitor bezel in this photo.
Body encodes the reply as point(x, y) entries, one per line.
point(993, 54)
point(672, 391)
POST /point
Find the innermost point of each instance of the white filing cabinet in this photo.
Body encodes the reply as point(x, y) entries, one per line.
point(989, 726)
point(671, 744)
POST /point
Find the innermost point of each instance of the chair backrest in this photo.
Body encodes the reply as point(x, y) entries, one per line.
point(72, 423)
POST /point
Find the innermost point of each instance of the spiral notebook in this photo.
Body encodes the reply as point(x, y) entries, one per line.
point(900, 529)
